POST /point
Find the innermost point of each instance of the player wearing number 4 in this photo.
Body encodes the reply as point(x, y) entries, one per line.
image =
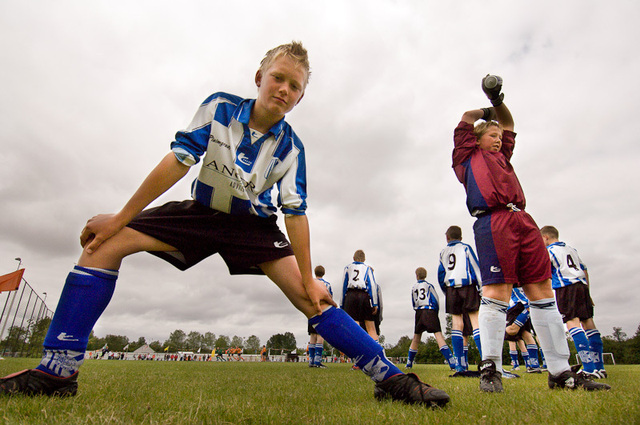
point(570, 280)
point(249, 149)
point(510, 248)
point(426, 304)
point(459, 278)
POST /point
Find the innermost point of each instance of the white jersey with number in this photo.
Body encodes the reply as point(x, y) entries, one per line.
point(424, 296)
point(458, 266)
point(359, 275)
point(566, 266)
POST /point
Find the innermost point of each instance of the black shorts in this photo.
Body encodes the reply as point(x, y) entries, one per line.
point(512, 315)
point(427, 321)
point(357, 304)
point(467, 329)
point(462, 300)
point(197, 232)
point(574, 301)
point(311, 330)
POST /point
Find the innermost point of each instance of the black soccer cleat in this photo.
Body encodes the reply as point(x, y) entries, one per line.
point(34, 382)
point(408, 388)
point(490, 378)
point(573, 380)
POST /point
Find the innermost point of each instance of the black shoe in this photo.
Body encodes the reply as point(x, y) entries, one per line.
point(408, 388)
point(533, 370)
point(35, 382)
point(320, 366)
point(573, 380)
point(490, 378)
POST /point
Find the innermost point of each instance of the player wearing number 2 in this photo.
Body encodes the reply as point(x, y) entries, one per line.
point(570, 280)
point(510, 248)
point(459, 278)
point(360, 293)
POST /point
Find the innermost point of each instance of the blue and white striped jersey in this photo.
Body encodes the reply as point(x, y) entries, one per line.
point(327, 284)
point(359, 275)
point(241, 167)
point(566, 266)
point(424, 296)
point(458, 266)
point(518, 296)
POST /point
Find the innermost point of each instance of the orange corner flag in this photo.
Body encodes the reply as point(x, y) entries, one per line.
point(11, 281)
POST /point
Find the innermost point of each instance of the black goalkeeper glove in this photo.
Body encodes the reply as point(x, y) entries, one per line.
point(491, 86)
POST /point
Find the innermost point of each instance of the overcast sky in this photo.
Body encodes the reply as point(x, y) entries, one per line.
point(93, 93)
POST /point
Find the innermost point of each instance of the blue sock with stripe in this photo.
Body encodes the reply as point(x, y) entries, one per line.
point(533, 355)
point(582, 347)
point(457, 343)
point(86, 293)
point(465, 358)
point(451, 360)
point(312, 353)
point(595, 345)
point(514, 358)
point(318, 356)
point(340, 330)
point(411, 357)
point(476, 339)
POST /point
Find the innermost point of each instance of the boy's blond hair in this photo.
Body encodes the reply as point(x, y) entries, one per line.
point(421, 273)
point(293, 50)
point(484, 126)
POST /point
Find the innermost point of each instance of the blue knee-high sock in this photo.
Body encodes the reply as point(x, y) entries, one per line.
point(595, 345)
point(86, 293)
point(339, 330)
point(411, 357)
point(465, 358)
point(525, 358)
point(582, 347)
point(476, 339)
point(451, 360)
point(532, 349)
point(457, 343)
point(312, 353)
point(514, 358)
point(318, 356)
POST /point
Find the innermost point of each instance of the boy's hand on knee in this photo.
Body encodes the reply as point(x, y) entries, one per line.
point(319, 295)
point(97, 230)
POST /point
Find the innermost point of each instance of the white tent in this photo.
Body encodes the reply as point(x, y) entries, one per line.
point(145, 349)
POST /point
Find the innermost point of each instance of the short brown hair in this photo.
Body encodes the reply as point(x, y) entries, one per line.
point(294, 50)
point(359, 256)
point(454, 233)
point(550, 231)
point(484, 126)
point(421, 273)
point(319, 271)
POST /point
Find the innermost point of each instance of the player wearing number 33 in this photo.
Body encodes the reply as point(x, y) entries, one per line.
point(459, 278)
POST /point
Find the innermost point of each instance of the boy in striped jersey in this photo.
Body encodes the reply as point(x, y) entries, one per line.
point(570, 280)
point(426, 304)
point(247, 149)
point(459, 278)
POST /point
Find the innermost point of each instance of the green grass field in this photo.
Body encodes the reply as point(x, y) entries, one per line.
point(144, 392)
